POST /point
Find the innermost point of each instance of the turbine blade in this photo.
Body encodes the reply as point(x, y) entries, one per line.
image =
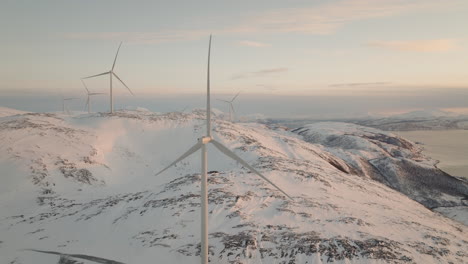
point(235, 97)
point(104, 73)
point(122, 82)
point(223, 100)
point(84, 86)
point(79, 256)
point(113, 65)
point(233, 156)
point(87, 101)
point(186, 154)
point(232, 108)
point(208, 100)
point(96, 93)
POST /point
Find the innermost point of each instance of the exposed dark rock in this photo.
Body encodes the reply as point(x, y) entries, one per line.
point(69, 170)
point(67, 260)
point(397, 164)
point(286, 246)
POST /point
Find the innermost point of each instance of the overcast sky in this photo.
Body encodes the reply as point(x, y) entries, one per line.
point(339, 48)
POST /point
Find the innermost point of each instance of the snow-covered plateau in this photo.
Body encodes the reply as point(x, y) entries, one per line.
point(82, 189)
point(410, 121)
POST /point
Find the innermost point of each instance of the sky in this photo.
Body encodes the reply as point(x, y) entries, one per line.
point(302, 51)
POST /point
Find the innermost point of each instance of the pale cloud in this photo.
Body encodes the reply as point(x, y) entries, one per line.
point(433, 45)
point(360, 84)
point(259, 73)
point(254, 44)
point(267, 87)
point(142, 37)
point(328, 18)
point(317, 20)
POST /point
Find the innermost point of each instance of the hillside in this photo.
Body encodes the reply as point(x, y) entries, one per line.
point(410, 121)
point(393, 161)
point(85, 185)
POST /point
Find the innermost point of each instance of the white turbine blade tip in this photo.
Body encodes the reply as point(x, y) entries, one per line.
point(186, 154)
point(84, 84)
point(104, 73)
point(235, 97)
point(122, 82)
point(116, 54)
point(232, 155)
point(232, 108)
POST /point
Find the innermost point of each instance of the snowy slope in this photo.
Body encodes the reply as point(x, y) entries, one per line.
point(392, 160)
point(85, 185)
point(5, 111)
point(417, 120)
point(410, 121)
point(434, 113)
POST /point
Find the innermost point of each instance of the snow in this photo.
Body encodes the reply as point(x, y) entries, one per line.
point(424, 114)
point(393, 161)
point(4, 111)
point(85, 184)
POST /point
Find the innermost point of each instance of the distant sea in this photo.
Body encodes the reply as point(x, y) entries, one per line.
point(450, 147)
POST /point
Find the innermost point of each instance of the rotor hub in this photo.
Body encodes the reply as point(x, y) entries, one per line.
point(205, 140)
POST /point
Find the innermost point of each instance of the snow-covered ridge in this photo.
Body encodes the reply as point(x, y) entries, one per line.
point(4, 111)
point(118, 210)
point(389, 159)
point(410, 121)
point(418, 120)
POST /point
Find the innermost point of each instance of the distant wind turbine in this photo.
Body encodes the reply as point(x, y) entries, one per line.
point(63, 103)
point(112, 73)
point(183, 110)
point(201, 144)
point(88, 101)
point(231, 107)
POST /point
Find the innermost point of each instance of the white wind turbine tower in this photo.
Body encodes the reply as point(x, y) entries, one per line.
point(201, 144)
point(112, 73)
point(231, 107)
point(88, 99)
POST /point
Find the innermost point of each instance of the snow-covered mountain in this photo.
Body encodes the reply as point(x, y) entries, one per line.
point(85, 186)
point(4, 111)
point(418, 120)
point(431, 113)
point(391, 160)
point(410, 121)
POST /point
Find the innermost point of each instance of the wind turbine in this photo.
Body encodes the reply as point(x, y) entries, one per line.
point(231, 107)
point(63, 103)
point(201, 144)
point(88, 101)
point(112, 73)
point(185, 108)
